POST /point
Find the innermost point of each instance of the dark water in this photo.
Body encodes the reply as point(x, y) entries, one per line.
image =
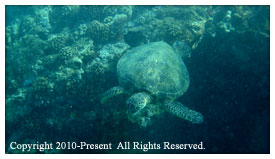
point(61, 59)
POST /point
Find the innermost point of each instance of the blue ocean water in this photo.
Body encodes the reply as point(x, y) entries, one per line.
point(60, 60)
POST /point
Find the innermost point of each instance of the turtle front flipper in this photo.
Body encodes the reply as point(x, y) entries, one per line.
point(182, 111)
point(137, 102)
point(111, 93)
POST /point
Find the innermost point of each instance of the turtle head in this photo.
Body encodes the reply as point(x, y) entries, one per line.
point(137, 102)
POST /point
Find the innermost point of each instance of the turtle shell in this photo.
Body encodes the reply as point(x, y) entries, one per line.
point(155, 68)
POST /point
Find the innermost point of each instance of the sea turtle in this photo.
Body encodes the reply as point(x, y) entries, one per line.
point(153, 73)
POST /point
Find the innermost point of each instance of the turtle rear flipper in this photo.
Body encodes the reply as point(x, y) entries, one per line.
point(182, 111)
point(111, 93)
point(137, 102)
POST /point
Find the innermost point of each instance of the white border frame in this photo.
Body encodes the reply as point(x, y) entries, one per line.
point(131, 2)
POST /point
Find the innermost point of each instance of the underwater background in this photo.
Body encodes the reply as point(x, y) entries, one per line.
point(61, 59)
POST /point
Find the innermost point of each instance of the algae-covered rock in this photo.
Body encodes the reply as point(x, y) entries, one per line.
point(17, 106)
point(41, 85)
point(50, 61)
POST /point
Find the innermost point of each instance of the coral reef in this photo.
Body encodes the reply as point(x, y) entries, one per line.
point(94, 12)
point(99, 32)
point(118, 22)
point(57, 42)
point(67, 53)
point(59, 15)
point(107, 58)
point(116, 10)
point(17, 106)
point(109, 30)
point(61, 59)
point(86, 51)
point(41, 85)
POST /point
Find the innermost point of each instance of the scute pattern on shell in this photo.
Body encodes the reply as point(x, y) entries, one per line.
point(155, 68)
